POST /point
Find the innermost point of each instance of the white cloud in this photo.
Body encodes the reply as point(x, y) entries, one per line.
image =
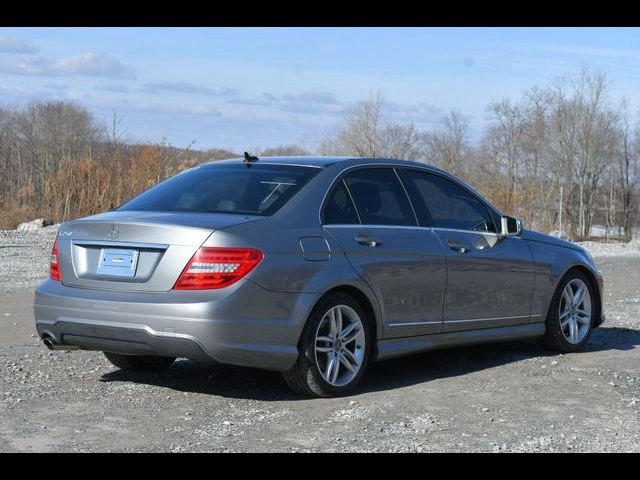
point(309, 102)
point(24, 65)
point(418, 112)
point(584, 50)
point(9, 44)
point(325, 98)
point(172, 109)
point(265, 99)
point(311, 108)
point(113, 87)
point(93, 64)
point(189, 88)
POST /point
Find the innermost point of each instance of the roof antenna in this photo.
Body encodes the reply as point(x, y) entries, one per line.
point(249, 159)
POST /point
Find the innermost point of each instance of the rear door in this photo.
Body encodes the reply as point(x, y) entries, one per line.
point(371, 217)
point(489, 278)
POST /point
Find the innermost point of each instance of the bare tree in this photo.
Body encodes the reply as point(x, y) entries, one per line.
point(627, 156)
point(503, 144)
point(582, 142)
point(360, 134)
point(566, 135)
point(596, 141)
point(400, 141)
point(285, 150)
point(448, 147)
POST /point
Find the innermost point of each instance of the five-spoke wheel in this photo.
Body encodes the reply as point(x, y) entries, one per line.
point(334, 348)
point(570, 318)
point(575, 311)
point(339, 345)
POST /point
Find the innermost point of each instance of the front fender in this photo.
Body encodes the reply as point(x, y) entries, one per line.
point(551, 265)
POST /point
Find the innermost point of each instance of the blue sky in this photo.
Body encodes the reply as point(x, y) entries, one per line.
point(240, 88)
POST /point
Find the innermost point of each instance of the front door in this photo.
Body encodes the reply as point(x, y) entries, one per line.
point(489, 277)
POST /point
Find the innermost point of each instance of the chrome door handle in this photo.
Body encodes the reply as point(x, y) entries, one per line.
point(368, 241)
point(458, 246)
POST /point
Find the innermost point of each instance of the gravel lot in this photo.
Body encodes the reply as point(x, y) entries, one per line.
point(502, 397)
point(24, 257)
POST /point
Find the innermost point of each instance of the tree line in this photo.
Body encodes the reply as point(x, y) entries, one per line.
point(561, 153)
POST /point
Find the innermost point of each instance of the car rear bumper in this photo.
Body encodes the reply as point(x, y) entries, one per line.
point(243, 324)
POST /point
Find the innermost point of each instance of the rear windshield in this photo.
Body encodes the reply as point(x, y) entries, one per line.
point(252, 190)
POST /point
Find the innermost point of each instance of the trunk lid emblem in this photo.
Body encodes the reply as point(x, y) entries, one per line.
point(114, 232)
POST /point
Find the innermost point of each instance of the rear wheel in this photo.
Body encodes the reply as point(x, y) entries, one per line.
point(570, 318)
point(144, 363)
point(334, 349)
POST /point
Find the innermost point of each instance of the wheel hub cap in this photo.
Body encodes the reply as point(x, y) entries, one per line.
point(575, 311)
point(339, 345)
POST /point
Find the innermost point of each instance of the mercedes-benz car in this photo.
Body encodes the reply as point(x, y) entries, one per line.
point(311, 266)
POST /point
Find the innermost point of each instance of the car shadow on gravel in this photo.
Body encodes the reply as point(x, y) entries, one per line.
point(253, 384)
point(458, 361)
point(210, 378)
point(613, 338)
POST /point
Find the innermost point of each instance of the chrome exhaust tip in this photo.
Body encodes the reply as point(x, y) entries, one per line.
point(51, 344)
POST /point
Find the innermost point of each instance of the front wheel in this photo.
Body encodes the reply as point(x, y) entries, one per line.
point(334, 349)
point(570, 318)
point(144, 363)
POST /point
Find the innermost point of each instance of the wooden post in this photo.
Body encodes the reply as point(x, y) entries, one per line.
point(66, 205)
point(560, 211)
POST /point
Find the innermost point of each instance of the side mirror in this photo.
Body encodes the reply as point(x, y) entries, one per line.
point(510, 226)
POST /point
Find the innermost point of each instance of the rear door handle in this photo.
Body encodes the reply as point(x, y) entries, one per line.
point(366, 240)
point(458, 246)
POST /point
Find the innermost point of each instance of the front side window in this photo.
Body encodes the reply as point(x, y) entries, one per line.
point(442, 203)
point(379, 197)
point(248, 190)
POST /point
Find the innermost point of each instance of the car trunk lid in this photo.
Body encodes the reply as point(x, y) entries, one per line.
point(135, 250)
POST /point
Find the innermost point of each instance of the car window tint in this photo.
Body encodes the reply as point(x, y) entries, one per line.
point(448, 205)
point(225, 188)
point(379, 197)
point(339, 208)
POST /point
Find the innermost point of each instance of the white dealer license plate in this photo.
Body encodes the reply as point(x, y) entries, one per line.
point(118, 262)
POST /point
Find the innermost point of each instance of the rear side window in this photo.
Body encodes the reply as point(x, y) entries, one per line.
point(250, 190)
point(339, 208)
point(379, 197)
point(442, 203)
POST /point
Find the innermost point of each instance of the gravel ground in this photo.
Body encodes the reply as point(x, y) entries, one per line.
point(24, 257)
point(502, 397)
point(613, 249)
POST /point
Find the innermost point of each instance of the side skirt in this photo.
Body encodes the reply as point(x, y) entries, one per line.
point(397, 347)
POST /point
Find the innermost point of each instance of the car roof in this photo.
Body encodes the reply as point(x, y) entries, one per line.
point(317, 161)
point(323, 162)
point(310, 161)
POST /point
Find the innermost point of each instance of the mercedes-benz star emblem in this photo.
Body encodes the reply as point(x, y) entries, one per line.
point(113, 232)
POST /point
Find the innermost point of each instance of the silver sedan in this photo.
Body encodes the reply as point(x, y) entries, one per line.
point(312, 266)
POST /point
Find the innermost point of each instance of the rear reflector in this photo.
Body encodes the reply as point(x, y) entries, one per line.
point(54, 266)
point(216, 267)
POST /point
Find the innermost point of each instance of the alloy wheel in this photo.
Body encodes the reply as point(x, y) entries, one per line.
point(575, 311)
point(339, 345)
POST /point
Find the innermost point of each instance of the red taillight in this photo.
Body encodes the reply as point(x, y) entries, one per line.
point(54, 266)
point(216, 267)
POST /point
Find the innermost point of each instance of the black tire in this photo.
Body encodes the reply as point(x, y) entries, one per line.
point(553, 338)
point(305, 377)
point(140, 363)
